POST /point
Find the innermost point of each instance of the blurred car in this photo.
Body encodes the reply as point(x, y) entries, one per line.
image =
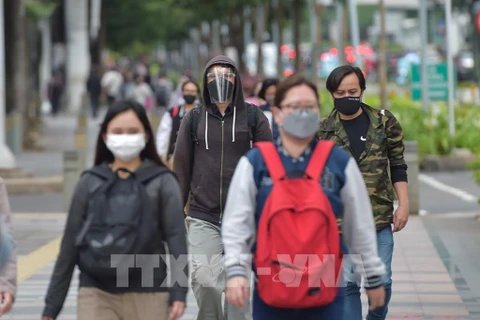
point(465, 64)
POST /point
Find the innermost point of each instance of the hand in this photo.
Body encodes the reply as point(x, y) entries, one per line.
point(400, 218)
point(376, 297)
point(47, 318)
point(176, 310)
point(6, 299)
point(237, 291)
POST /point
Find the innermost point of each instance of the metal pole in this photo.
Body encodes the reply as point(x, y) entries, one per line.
point(7, 160)
point(340, 31)
point(450, 75)
point(354, 29)
point(424, 42)
point(313, 36)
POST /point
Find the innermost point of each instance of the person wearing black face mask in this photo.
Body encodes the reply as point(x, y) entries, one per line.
point(375, 139)
point(170, 124)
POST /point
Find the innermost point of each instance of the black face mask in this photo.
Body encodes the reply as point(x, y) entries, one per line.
point(189, 99)
point(348, 105)
point(220, 92)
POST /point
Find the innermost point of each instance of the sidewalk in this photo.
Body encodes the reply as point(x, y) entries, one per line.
point(422, 286)
point(58, 135)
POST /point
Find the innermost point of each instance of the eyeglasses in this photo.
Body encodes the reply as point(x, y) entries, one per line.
point(230, 76)
point(296, 107)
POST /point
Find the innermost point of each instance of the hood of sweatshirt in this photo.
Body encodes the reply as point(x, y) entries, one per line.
point(238, 103)
point(238, 100)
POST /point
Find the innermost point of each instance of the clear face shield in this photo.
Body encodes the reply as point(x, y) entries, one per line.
point(220, 84)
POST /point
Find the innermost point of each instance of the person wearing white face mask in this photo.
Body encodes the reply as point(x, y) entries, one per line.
point(290, 199)
point(127, 205)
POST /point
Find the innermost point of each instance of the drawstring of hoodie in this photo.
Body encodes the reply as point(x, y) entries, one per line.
point(234, 121)
point(233, 126)
point(206, 130)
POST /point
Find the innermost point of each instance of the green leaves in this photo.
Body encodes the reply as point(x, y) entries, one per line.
point(40, 9)
point(143, 24)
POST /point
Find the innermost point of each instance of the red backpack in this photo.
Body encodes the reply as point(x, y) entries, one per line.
point(298, 256)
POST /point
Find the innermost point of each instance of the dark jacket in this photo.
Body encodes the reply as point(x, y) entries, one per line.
point(206, 169)
point(164, 191)
point(383, 152)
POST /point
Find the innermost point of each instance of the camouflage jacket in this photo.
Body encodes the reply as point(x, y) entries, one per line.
point(383, 149)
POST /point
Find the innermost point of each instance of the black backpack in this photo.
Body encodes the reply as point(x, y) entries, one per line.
point(252, 120)
point(120, 220)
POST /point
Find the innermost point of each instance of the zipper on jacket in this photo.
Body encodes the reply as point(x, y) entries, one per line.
point(221, 175)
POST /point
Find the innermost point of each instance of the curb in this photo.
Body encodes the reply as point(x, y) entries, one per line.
point(446, 163)
point(34, 185)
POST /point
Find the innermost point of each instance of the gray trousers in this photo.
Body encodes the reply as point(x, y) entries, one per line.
point(208, 274)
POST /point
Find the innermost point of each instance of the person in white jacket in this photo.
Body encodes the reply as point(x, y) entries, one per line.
point(297, 114)
point(170, 122)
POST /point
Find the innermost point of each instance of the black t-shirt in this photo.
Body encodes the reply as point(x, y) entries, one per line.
point(357, 133)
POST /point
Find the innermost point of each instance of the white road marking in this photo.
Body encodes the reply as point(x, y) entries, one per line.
point(434, 183)
point(422, 213)
point(455, 215)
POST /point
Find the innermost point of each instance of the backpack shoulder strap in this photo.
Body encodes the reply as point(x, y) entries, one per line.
point(146, 176)
point(272, 159)
point(99, 172)
point(195, 115)
point(319, 159)
point(174, 112)
point(252, 120)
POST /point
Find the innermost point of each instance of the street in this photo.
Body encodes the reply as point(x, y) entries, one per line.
point(436, 259)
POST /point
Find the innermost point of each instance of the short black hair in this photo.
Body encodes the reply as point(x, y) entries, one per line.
point(337, 75)
point(267, 83)
point(292, 81)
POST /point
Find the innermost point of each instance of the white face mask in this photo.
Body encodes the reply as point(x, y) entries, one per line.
point(126, 147)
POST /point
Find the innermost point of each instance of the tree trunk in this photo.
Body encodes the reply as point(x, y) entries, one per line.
point(10, 36)
point(78, 53)
point(21, 80)
point(318, 42)
point(32, 84)
point(261, 20)
point(382, 57)
point(46, 61)
point(102, 36)
point(297, 9)
point(345, 24)
point(237, 40)
point(278, 24)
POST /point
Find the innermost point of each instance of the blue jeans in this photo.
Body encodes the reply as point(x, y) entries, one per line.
point(262, 311)
point(353, 303)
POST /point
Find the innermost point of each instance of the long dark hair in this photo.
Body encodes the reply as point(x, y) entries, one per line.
point(102, 154)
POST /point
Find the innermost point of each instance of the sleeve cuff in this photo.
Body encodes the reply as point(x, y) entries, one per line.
point(399, 173)
point(51, 312)
point(374, 282)
point(177, 295)
point(236, 270)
